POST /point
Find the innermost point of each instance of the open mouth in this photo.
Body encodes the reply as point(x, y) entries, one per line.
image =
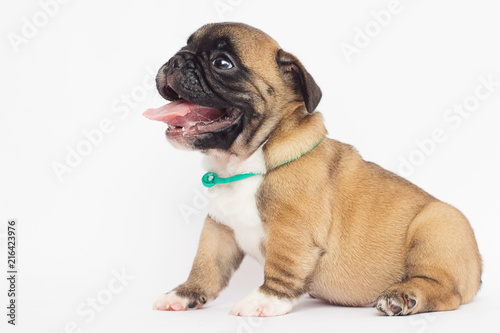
point(186, 118)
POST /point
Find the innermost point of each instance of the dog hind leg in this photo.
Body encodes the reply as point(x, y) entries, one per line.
point(443, 264)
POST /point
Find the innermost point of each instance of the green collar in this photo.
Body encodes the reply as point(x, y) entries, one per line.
point(210, 179)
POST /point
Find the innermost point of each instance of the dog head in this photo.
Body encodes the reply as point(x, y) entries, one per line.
point(229, 88)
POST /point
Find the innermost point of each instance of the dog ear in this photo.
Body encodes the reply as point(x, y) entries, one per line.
point(296, 75)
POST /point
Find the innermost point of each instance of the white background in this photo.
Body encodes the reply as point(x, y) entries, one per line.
point(119, 209)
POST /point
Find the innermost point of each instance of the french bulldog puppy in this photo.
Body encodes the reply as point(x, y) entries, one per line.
point(319, 218)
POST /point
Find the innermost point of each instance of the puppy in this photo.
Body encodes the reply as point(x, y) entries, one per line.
point(320, 219)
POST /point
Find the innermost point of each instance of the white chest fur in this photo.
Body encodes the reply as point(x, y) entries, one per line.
point(234, 204)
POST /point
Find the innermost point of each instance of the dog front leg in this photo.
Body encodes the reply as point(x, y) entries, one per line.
point(290, 263)
point(218, 256)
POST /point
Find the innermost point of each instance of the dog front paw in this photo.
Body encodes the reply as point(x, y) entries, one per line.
point(258, 304)
point(179, 301)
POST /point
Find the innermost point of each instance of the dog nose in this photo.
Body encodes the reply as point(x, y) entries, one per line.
point(177, 62)
point(181, 60)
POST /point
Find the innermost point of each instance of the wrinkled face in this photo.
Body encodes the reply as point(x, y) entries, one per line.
point(226, 87)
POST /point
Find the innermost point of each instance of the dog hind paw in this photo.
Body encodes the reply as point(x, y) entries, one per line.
point(396, 304)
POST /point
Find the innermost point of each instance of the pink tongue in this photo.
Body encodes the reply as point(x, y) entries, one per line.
point(183, 114)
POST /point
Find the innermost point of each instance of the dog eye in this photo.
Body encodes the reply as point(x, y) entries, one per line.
point(222, 63)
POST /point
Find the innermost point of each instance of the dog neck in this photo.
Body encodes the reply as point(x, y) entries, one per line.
point(296, 134)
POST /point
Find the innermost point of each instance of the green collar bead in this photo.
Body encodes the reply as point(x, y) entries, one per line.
point(210, 178)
